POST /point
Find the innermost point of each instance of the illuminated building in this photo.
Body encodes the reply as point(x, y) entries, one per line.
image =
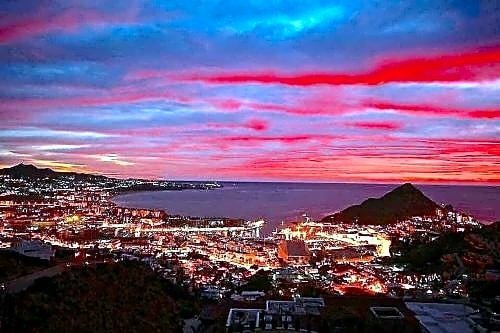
point(294, 252)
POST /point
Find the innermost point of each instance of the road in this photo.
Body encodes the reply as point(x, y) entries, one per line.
point(23, 282)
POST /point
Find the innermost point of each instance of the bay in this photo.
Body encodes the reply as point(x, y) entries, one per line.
point(277, 202)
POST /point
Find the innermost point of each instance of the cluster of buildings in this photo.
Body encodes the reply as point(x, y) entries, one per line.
point(300, 314)
point(219, 255)
point(316, 314)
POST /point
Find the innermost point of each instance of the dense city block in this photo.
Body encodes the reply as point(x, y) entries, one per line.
point(53, 224)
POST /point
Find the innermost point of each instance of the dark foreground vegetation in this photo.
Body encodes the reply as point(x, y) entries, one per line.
point(453, 254)
point(13, 265)
point(117, 297)
point(129, 297)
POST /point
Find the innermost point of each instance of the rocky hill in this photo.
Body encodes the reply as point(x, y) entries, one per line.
point(401, 203)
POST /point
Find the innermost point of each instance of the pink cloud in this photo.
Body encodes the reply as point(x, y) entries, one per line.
point(67, 21)
point(287, 139)
point(376, 125)
point(418, 159)
point(257, 124)
point(432, 110)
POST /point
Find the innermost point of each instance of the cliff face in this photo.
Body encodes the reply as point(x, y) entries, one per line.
point(401, 203)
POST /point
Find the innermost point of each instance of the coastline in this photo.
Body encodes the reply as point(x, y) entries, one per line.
point(224, 204)
point(112, 198)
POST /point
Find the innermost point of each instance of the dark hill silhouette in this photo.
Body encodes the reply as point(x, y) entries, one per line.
point(27, 170)
point(113, 297)
point(401, 203)
point(22, 170)
point(32, 172)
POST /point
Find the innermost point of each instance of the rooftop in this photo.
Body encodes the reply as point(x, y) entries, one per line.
point(443, 318)
point(386, 312)
point(296, 248)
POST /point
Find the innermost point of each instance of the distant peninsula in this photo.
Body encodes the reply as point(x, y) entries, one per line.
point(22, 170)
point(30, 171)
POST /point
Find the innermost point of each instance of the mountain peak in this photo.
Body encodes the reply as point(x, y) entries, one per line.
point(405, 189)
point(23, 170)
point(27, 170)
point(23, 166)
point(401, 203)
point(406, 185)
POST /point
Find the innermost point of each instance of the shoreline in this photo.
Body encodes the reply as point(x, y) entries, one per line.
point(112, 199)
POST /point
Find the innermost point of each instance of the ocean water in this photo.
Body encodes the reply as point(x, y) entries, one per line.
point(277, 202)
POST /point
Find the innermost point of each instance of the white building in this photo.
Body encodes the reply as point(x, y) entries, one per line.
point(35, 249)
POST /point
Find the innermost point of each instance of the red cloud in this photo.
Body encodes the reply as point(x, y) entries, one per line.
point(487, 146)
point(228, 104)
point(430, 110)
point(257, 124)
point(412, 159)
point(480, 65)
point(376, 125)
point(289, 139)
point(322, 103)
point(253, 124)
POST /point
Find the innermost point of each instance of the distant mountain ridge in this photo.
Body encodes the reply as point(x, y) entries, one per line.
point(31, 171)
point(399, 204)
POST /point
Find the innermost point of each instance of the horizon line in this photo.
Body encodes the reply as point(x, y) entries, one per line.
point(354, 182)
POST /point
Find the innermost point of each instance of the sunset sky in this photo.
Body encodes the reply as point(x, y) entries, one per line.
point(337, 91)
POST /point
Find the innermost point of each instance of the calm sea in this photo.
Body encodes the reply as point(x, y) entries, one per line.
point(276, 202)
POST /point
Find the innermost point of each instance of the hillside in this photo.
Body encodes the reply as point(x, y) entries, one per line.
point(478, 250)
point(30, 171)
point(401, 203)
point(13, 265)
point(126, 297)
